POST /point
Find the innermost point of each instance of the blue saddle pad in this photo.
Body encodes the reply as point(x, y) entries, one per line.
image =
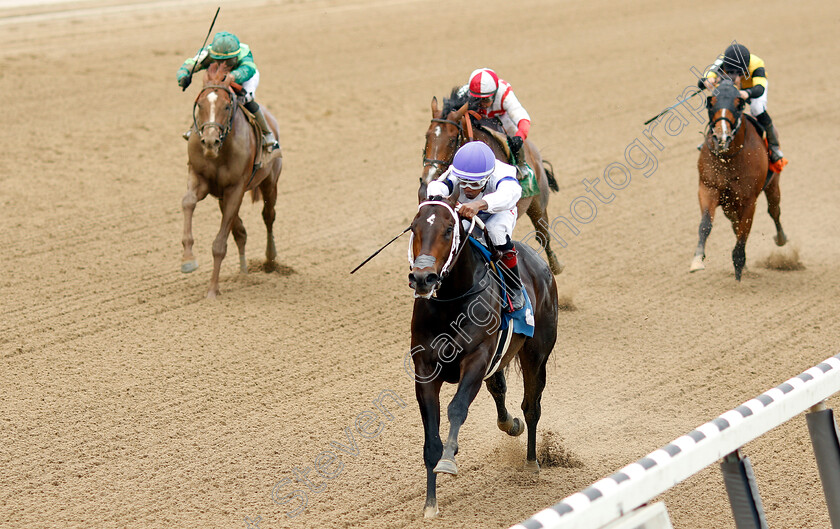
point(523, 319)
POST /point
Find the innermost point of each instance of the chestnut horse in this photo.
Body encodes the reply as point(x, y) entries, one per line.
point(222, 153)
point(454, 332)
point(449, 129)
point(733, 168)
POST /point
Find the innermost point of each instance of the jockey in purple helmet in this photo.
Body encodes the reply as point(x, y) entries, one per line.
point(488, 188)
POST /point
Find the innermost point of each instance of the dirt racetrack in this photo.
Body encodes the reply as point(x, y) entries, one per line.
point(128, 400)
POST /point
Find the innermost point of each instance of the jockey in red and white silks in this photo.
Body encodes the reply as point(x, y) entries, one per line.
point(501, 101)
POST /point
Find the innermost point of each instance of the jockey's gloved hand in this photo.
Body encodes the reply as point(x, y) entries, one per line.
point(516, 144)
point(184, 81)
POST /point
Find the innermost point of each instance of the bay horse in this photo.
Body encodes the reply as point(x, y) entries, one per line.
point(222, 153)
point(450, 128)
point(733, 167)
point(454, 333)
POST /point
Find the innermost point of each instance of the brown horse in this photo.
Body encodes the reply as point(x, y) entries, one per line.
point(452, 127)
point(455, 330)
point(222, 160)
point(733, 168)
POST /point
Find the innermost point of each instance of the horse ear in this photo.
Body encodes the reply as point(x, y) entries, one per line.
point(435, 109)
point(452, 199)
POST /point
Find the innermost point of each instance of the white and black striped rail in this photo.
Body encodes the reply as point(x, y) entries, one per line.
point(609, 499)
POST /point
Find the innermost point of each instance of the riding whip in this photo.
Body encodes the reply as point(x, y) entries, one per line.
point(673, 106)
point(379, 250)
point(205, 42)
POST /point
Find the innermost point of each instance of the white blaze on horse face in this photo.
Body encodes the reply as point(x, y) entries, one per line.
point(431, 219)
point(437, 131)
point(723, 124)
point(211, 98)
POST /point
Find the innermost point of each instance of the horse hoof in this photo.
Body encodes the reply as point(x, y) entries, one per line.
point(556, 266)
point(513, 428)
point(532, 466)
point(780, 239)
point(189, 266)
point(243, 265)
point(430, 511)
point(446, 466)
point(213, 294)
point(697, 264)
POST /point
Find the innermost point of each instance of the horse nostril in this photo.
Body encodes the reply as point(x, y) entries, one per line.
point(431, 279)
point(412, 280)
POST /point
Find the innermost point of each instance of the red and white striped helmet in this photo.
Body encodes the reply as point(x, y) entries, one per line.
point(483, 83)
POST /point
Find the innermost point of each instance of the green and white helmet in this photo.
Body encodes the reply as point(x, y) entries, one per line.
point(225, 45)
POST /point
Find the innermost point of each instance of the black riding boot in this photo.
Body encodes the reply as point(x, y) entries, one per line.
point(269, 141)
point(772, 136)
point(513, 283)
point(517, 150)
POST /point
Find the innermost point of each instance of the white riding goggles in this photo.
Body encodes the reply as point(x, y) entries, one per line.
point(470, 184)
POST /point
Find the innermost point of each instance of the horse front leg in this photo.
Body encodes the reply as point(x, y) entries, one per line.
point(428, 397)
point(708, 204)
point(472, 371)
point(774, 197)
point(497, 386)
point(742, 231)
point(196, 191)
point(229, 204)
point(241, 237)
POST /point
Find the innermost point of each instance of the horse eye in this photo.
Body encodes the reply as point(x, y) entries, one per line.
point(449, 231)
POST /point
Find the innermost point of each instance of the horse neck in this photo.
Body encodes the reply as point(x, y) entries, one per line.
point(465, 272)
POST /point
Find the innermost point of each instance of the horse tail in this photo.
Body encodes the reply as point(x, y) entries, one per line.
point(256, 195)
point(549, 173)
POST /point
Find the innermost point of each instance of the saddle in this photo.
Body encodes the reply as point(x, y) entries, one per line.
point(519, 322)
point(493, 127)
point(772, 167)
point(262, 158)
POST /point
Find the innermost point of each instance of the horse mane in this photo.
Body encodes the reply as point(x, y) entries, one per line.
point(455, 101)
point(217, 71)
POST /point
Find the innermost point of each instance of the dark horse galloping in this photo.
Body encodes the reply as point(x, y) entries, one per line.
point(222, 155)
point(733, 168)
point(451, 127)
point(454, 332)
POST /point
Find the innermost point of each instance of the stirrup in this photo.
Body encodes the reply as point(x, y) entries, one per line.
point(270, 144)
point(775, 154)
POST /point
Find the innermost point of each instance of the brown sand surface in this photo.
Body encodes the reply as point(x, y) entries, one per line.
point(128, 400)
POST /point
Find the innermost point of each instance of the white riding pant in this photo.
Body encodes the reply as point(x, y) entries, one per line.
point(758, 106)
point(250, 86)
point(500, 226)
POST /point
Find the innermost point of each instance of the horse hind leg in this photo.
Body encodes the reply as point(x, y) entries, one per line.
point(268, 189)
point(774, 197)
point(539, 218)
point(497, 386)
point(533, 375)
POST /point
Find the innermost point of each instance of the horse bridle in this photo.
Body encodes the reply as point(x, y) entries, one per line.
point(441, 165)
point(454, 250)
point(224, 130)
